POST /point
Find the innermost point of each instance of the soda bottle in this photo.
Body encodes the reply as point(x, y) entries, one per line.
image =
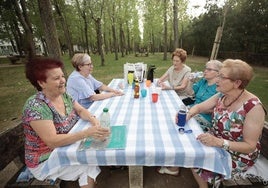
point(105, 118)
point(136, 90)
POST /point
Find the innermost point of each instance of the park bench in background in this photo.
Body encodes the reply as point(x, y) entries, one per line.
point(14, 59)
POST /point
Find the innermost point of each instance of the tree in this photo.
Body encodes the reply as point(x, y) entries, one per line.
point(175, 23)
point(49, 26)
point(22, 15)
point(96, 11)
point(165, 30)
point(68, 39)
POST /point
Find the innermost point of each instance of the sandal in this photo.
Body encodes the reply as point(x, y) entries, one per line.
point(165, 170)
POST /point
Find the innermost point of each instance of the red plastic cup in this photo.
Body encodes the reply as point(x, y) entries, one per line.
point(154, 97)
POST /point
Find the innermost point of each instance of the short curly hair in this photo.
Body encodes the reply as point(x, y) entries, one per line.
point(181, 53)
point(239, 70)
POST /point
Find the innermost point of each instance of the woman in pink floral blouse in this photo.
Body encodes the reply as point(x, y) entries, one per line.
point(238, 119)
point(48, 116)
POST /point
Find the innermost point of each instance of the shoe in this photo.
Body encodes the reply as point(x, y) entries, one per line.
point(165, 170)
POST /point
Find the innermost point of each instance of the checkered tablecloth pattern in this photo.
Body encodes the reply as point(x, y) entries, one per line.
point(152, 136)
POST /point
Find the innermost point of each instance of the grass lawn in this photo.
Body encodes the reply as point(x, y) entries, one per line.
point(15, 89)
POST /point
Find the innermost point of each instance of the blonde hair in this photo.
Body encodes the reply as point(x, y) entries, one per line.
point(181, 53)
point(239, 70)
point(80, 59)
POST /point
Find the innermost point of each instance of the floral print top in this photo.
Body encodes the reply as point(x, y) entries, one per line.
point(38, 107)
point(229, 125)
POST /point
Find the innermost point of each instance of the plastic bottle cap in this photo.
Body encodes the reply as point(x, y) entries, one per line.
point(105, 109)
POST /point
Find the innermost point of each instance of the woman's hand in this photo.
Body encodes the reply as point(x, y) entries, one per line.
point(209, 140)
point(164, 86)
point(118, 93)
point(98, 132)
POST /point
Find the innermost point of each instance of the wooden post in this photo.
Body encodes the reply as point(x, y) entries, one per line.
point(216, 44)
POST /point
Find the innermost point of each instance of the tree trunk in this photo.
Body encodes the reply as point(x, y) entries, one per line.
point(66, 30)
point(165, 30)
point(22, 15)
point(50, 31)
point(115, 41)
point(122, 41)
point(175, 24)
point(100, 40)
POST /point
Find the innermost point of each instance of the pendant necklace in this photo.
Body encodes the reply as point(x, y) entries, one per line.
point(233, 100)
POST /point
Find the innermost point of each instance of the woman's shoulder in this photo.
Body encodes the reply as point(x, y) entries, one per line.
point(75, 75)
point(187, 68)
point(35, 101)
point(250, 101)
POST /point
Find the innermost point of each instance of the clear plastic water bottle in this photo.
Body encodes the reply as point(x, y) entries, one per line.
point(105, 118)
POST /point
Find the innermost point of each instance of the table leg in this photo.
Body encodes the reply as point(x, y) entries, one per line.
point(135, 174)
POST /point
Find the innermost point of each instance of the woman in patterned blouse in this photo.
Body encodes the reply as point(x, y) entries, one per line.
point(238, 119)
point(48, 116)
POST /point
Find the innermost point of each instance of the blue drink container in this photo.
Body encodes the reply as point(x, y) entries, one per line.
point(181, 118)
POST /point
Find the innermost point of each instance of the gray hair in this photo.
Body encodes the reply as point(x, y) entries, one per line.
point(217, 64)
point(80, 59)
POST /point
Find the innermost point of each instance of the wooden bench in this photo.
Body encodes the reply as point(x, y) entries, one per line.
point(15, 59)
point(12, 148)
point(252, 181)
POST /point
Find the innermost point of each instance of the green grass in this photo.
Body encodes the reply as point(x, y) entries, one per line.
point(15, 88)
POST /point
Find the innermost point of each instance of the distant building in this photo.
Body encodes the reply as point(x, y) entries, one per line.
point(6, 48)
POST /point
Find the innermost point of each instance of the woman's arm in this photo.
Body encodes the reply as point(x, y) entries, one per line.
point(183, 85)
point(47, 132)
point(205, 106)
point(162, 79)
point(252, 130)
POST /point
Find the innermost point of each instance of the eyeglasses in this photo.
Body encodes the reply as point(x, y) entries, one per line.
point(210, 69)
point(222, 77)
point(88, 64)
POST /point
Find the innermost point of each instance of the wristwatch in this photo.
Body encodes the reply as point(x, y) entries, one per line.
point(225, 144)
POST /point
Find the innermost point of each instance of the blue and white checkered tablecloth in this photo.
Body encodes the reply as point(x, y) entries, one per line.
point(152, 137)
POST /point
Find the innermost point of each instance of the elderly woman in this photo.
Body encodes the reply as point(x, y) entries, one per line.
point(48, 116)
point(177, 75)
point(238, 119)
point(82, 86)
point(203, 89)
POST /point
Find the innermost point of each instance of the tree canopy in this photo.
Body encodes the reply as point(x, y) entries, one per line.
point(126, 26)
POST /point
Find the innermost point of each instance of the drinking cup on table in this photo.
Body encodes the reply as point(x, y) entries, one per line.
point(154, 97)
point(143, 92)
point(182, 116)
point(148, 83)
point(130, 78)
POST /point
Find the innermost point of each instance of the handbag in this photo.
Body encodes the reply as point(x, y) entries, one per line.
point(188, 101)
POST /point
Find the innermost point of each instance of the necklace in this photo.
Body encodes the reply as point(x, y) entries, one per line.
point(233, 100)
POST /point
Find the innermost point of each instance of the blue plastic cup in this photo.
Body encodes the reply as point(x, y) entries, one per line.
point(143, 92)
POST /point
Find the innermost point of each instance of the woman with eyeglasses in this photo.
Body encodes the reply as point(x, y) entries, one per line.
point(83, 87)
point(238, 120)
point(203, 89)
